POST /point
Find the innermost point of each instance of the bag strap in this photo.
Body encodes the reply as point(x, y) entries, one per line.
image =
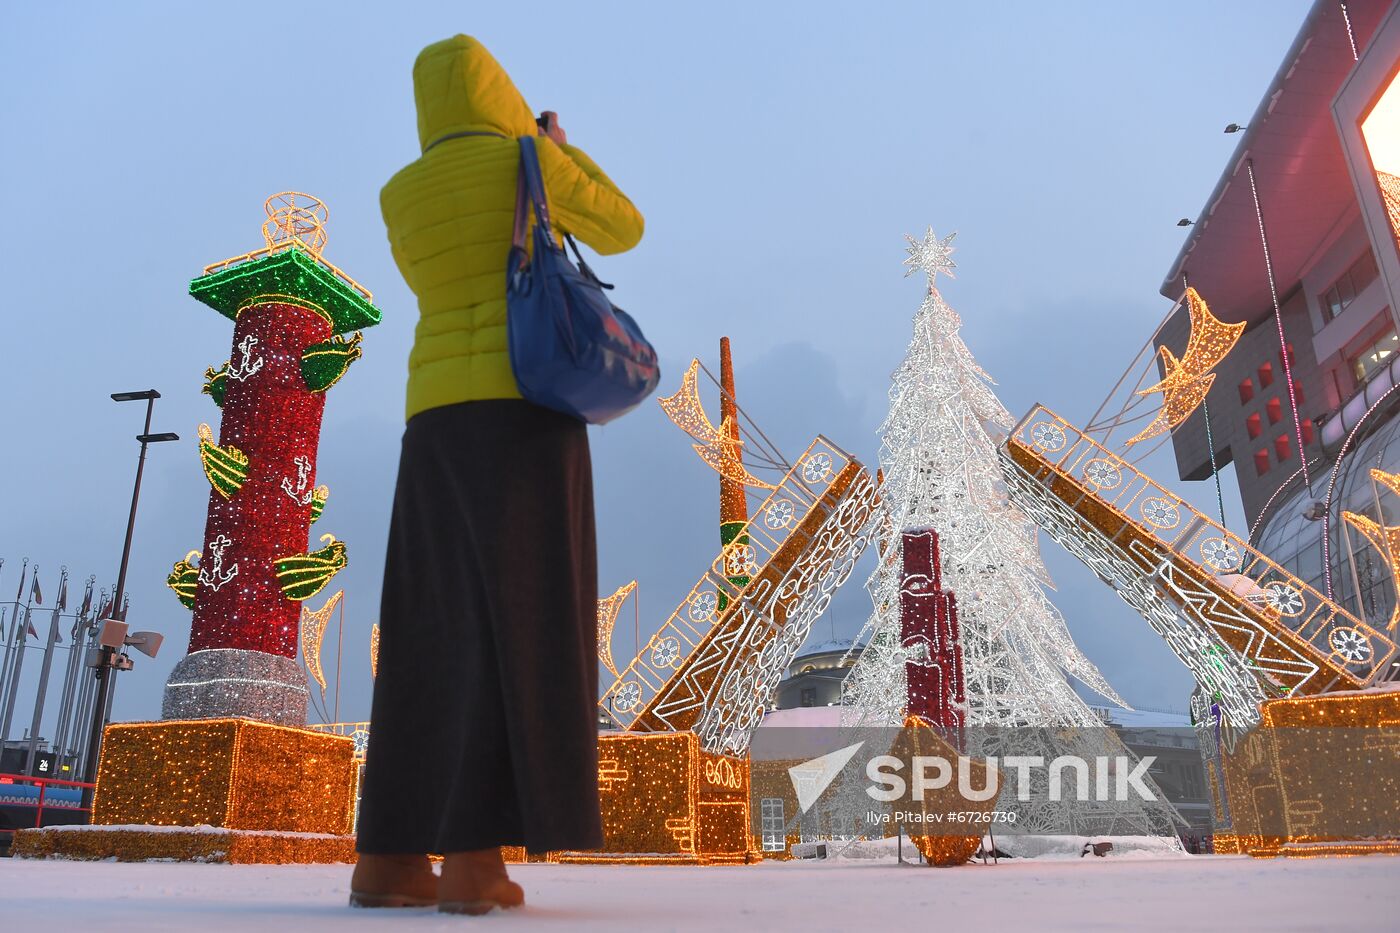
point(583, 265)
point(529, 187)
point(443, 139)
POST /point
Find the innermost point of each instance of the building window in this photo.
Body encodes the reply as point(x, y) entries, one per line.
point(809, 696)
point(1349, 284)
point(1292, 360)
point(1254, 426)
point(1266, 375)
point(1307, 427)
point(1275, 410)
point(1375, 357)
point(1246, 391)
point(771, 815)
point(1281, 447)
point(1298, 392)
point(1261, 461)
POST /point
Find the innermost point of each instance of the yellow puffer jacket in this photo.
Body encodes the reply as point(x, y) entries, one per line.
point(450, 216)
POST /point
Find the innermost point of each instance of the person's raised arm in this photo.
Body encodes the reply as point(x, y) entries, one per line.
point(584, 201)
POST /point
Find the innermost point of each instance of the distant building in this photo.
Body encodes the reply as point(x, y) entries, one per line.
point(1177, 768)
point(815, 676)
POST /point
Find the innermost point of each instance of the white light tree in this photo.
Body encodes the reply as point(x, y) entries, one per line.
point(941, 471)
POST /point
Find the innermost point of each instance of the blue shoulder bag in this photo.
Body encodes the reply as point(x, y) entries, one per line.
point(571, 349)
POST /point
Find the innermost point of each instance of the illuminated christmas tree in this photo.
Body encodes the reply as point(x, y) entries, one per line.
point(942, 474)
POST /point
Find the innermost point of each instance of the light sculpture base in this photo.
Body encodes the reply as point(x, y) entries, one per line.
point(232, 790)
point(182, 844)
point(236, 683)
point(1318, 777)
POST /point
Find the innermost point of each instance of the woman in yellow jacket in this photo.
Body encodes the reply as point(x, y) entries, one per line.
point(483, 728)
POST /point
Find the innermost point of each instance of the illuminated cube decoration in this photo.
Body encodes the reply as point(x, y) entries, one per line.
point(1319, 776)
point(214, 790)
point(929, 623)
point(666, 800)
point(290, 309)
point(226, 773)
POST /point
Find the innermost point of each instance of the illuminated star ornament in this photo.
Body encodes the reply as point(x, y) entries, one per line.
point(930, 255)
point(1187, 381)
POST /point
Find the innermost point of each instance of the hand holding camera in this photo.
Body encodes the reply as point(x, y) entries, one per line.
point(548, 123)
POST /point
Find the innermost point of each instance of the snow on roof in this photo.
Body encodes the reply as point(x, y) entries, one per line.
point(834, 644)
point(795, 734)
point(1144, 719)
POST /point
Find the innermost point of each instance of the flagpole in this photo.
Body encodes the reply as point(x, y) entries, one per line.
point(70, 673)
point(59, 604)
point(339, 639)
point(83, 713)
point(18, 665)
point(9, 642)
point(5, 662)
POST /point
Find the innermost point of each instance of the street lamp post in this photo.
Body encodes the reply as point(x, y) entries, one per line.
point(109, 659)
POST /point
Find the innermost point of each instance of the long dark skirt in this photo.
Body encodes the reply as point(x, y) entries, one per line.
point(484, 727)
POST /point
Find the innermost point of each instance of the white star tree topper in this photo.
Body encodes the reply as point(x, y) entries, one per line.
point(931, 255)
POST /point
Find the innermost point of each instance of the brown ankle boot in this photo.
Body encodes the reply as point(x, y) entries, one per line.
point(476, 882)
point(393, 881)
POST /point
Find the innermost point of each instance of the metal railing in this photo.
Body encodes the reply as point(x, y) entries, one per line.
point(40, 803)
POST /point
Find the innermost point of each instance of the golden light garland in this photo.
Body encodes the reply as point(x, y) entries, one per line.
point(313, 633)
point(1386, 540)
point(374, 650)
point(608, 608)
point(227, 773)
point(718, 447)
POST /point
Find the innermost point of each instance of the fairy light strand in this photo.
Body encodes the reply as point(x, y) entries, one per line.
point(1278, 323)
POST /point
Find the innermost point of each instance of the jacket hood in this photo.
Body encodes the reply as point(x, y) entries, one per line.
point(459, 87)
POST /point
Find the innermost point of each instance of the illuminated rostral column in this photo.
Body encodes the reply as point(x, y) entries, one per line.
point(290, 309)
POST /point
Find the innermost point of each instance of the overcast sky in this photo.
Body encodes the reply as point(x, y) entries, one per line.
point(779, 151)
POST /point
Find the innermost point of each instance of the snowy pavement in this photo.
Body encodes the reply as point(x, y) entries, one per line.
point(1184, 893)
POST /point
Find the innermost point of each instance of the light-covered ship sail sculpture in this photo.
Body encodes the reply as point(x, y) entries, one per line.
point(314, 625)
point(608, 608)
point(1247, 629)
point(941, 473)
point(713, 666)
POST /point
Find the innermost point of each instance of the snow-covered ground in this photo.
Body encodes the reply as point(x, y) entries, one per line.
point(1183, 893)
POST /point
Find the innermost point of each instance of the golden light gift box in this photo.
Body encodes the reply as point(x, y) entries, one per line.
point(214, 790)
point(772, 779)
point(667, 801)
point(1319, 776)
